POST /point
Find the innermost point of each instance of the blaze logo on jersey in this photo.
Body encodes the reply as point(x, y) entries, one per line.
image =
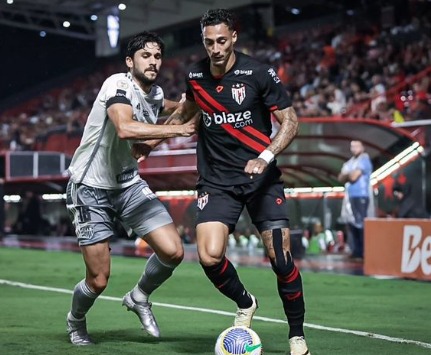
point(206, 118)
point(243, 72)
point(203, 200)
point(236, 119)
point(196, 75)
point(238, 93)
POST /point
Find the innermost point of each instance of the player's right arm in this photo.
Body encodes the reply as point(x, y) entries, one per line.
point(121, 115)
point(187, 113)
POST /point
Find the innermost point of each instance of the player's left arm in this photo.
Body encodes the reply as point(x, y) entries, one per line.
point(289, 128)
point(170, 106)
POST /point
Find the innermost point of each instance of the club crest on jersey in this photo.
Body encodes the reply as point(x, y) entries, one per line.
point(122, 84)
point(238, 93)
point(203, 200)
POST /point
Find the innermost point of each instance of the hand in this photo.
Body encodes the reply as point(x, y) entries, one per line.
point(188, 128)
point(140, 151)
point(255, 166)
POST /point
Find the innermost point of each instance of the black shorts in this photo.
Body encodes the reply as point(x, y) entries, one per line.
point(266, 204)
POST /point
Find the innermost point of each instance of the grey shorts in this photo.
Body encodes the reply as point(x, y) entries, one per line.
point(94, 211)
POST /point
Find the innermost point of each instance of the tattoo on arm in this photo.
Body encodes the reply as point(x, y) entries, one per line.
point(288, 130)
point(182, 114)
point(175, 118)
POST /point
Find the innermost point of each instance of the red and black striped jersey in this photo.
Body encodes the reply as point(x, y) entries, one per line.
point(236, 116)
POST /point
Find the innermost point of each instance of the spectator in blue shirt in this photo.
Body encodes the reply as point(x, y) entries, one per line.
point(355, 174)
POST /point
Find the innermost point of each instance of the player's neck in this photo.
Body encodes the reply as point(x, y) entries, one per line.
point(144, 87)
point(218, 71)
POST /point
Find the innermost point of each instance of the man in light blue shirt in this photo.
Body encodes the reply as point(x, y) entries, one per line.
point(355, 174)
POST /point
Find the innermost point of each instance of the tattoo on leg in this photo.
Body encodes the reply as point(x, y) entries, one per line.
point(268, 241)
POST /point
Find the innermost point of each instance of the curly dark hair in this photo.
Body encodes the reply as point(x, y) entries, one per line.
point(217, 16)
point(139, 41)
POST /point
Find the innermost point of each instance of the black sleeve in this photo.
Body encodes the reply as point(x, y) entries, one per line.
point(119, 98)
point(274, 94)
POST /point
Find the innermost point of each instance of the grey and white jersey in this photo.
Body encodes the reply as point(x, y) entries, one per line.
point(112, 166)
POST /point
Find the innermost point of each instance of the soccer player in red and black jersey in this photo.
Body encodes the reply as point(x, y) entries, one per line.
point(237, 168)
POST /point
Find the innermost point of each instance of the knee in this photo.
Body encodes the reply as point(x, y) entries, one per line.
point(175, 257)
point(282, 266)
point(210, 258)
point(98, 283)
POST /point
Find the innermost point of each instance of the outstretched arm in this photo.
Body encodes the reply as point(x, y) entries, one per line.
point(187, 113)
point(121, 116)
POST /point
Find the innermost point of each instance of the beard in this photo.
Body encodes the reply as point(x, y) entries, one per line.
point(144, 79)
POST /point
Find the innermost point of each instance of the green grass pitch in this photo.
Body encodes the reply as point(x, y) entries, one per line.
point(346, 315)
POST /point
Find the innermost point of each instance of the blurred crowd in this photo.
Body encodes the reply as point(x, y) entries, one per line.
point(359, 71)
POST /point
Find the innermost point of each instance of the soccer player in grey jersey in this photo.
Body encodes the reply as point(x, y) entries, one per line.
point(105, 185)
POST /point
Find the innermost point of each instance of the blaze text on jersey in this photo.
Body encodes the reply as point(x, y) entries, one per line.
point(237, 119)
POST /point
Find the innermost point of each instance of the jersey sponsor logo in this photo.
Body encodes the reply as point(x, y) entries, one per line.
point(126, 175)
point(206, 118)
point(238, 93)
point(237, 119)
point(195, 75)
point(121, 93)
point(243, 72)
point(242, 130)
point(274, 75)
point(203, 200)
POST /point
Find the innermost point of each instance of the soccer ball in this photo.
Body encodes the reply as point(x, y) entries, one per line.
point(238, 341)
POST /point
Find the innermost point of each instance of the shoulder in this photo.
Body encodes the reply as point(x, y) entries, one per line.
point(365, 157)
point(119, 80)
point(247, 65)
point(196, 70)
point(246, 61)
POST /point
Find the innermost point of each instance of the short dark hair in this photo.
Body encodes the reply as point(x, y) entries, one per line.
point(217, 16)
point(139, 41)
